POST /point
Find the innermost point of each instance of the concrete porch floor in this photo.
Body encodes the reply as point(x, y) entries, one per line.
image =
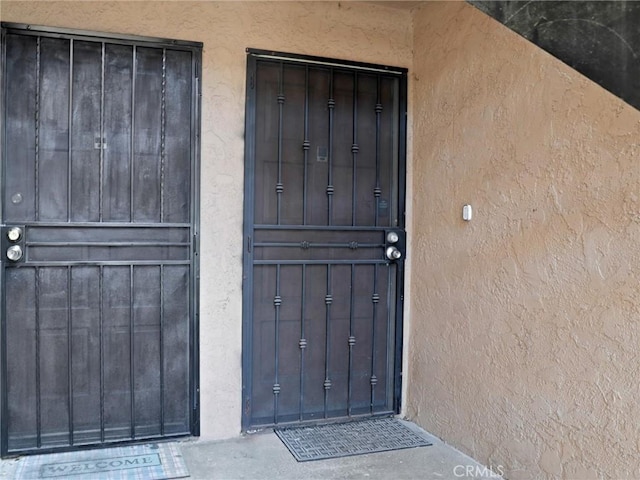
point(263, 456)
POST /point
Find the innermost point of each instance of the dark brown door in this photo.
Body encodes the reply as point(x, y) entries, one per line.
point(98, 228)
point(324, 227)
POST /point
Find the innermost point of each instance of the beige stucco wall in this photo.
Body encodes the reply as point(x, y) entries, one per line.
point(359, 32)
point(523, 323)
point(525, 336)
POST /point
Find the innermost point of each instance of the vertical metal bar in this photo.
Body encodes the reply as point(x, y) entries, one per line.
point(4, 433)
point(132, 353)
point(303, 340)
point(277, 301)
point(37, 131)
point(37, 334)
point(402, 151)
point(401, 179)
point(194, 283)
point(249, 222)
point(3, 156)
point(398, 332)
point(377, 191)
point(101, 320)
point(70, 132)
point(133, 129)
point(352, 340)
point(102, 139)
point(163, 121)
point(393, 178)
point(388, 387)
point(161, 349)
point(279, 185)
point(328, 300)
point(354, 151)
point(305, 145)
point(331, 104)
point(69, 355)
point(375, 298)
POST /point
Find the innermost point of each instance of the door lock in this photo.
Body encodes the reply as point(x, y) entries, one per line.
point(393, 237)
point(394, 244)
point(14, 234)
point(13, 242)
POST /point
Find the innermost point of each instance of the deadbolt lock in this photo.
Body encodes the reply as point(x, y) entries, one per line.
point(14, 234)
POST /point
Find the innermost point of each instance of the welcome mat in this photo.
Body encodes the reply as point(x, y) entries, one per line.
point(347, 439)
point(136, 462)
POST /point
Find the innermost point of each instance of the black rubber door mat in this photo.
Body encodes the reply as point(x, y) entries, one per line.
point(347, 439)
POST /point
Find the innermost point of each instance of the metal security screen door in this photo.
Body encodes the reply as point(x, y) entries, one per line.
point(324, 239)
point(99, 238)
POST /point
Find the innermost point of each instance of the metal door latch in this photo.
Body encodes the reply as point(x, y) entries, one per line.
point(100, 143)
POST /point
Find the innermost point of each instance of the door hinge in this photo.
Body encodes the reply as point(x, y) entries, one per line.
point(249, 244)
point(251, 83)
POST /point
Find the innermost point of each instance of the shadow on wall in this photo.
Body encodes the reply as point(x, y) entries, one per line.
point(599, 39)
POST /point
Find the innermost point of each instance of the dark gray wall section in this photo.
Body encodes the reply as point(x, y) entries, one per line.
point(599, 39)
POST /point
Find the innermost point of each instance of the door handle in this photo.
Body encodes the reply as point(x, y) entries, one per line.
point(14, 253)
point(393, 253)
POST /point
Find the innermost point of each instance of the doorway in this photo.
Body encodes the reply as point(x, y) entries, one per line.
point(324, 239)
point(99, 238)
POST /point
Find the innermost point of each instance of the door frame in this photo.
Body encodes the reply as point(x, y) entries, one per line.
point(253, 55)
point(194, 284)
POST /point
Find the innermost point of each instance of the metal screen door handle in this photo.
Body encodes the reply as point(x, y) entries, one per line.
point(393, 253)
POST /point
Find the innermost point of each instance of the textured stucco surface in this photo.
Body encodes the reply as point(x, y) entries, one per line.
point(525, 330)
point(353, 31)
point(523, 323)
